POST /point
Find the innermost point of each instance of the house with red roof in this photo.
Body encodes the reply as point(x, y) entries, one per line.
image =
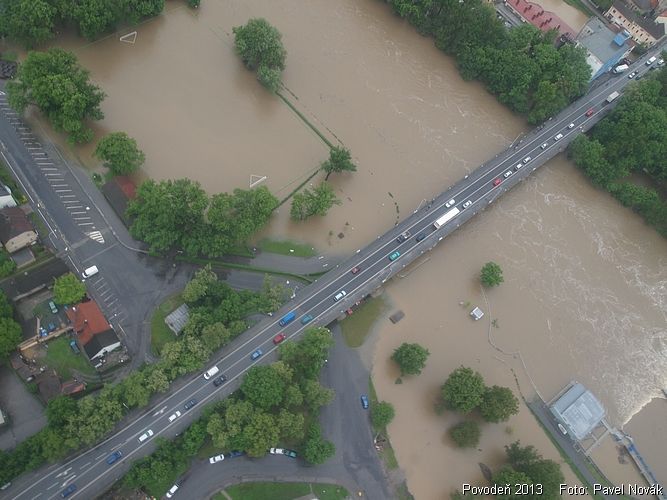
point(95, 334)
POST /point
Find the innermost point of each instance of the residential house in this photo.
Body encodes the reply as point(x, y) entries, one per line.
point(94, 332)
point(604, 47)
point(36, 279)
point(16, 231)
point(662, 19)
point(6, 198)
point(642, 30)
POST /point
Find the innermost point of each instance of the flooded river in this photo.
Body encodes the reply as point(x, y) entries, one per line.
point(585, 292)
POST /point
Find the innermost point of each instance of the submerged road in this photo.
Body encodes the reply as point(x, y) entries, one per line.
point(90, 472)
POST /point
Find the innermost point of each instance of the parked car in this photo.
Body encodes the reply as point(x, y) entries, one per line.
point(507, 174)
point(558, 137)
point(394, 255)
point(172, 491)
point(216, 459)
point(545, 145)
point(364, 402)
point(114, 457)
point(235, 454)
point(527, 159)
point(190, 404)
point(277, 451)
point(290, 453)
point(340, 295)
point(349, 312)
point(306, 319)
point(174, 416)
point(68, 491)
point(74, 347)
point(355, 270)
point(279, 338)
point(145, 435)
point(219, 381)
point(497, 182)
point(52, 306)
point(467, 204)
point(256, 354)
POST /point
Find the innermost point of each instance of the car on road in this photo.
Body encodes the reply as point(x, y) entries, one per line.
point(403, 236)
point(277, 451)
point(545, 145)
point(172, 491)
point(256, 354)
point(364, 402)
point(216, 459)
point(190, 404)
point(235, 454)
point(394, 255)
point(145, 435)
point(114, 457)
point(507, 174)
point(632, 75)
point(590, 112)
point(467, 204)
point(496, 182)
point(290, 453)
point(174, 416)
point(340, 295)
point(420, 237)
point(52, 306)
point(519, 165)
point(450, 203)
point(306, 319)
point(279, 338)
point(68, 491)
point(558, 137)
point(571, 125)
point(355, 270)
point(91, 271)
point(220, 380)
point(527, 159)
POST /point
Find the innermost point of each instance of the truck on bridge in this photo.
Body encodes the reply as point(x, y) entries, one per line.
point(611, 97)
point(446, 218)
point(287, 319)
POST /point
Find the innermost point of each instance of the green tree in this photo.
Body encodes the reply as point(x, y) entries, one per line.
point(200, 285)
point(120, 153)
point(463, 390)
point(509, 476)
point(262, 388)
point(313, 202)
point(168, 214)
point(260, 434)
point(135, 390)
point(271, 78)
point(156, 379)
point(55, 83)
point(194, 3)
point(6, 310)
point(136, 10)
point(272, 296)
point(259, 44)
point(548, 473)
point(589, 155)
point(315, 395)
point(411, 358)
point(491, 275)
point(7, 265)
point(67, 289)
point(382, 413)
point(29, 22)
point(498, 404)
point(59, 410)
point(308, 356)
point(291, 425)
point(340, 160)
point(95, 17)
point(465, 434)
point(317, 450)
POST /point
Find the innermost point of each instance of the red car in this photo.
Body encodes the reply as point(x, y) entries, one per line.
point(279, 338)
point(497, 182)
point(349, 312)
point(355, 270)
point(590, 112)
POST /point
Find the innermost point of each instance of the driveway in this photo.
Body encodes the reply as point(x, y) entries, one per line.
point(25, 412)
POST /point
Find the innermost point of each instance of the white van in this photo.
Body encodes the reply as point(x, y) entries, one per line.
point(340, 295)
point(91, 271)
point(211, 371)
point(172, 491)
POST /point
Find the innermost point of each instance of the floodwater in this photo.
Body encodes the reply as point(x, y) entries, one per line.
point(585, 292)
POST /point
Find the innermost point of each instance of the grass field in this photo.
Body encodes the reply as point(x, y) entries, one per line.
point(283, 491)
point(287, 247)
point(358, 326)
point(62, 359)
point(160, 332)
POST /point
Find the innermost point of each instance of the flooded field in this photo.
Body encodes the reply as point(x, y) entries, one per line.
point(585, 289)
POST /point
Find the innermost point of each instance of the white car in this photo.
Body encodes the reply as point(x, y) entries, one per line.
point(172, 491)
point(277, 451)
point(450, 203)
point(518, 166)
point(507, 174)
point(174, 416)
point(467, 204)
point(527, 159)
point(544, 146)
point(216, 459)
point(571, 125)
point(558, 137)
point(145, 435)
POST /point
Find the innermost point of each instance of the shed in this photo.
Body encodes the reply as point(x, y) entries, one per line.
point(477, 314)
point(177, 320)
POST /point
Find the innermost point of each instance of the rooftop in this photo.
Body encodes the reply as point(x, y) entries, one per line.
point(655, 30)
point(579, 411)
point(87, 320)
point(600, 41)
point(13, 221)
point(176, 320)
point(100, 341)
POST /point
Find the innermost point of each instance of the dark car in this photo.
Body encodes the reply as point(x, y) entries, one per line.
point(290, 453)
point(256, 354)
point(190, 404)
point(219, 381)
point(403, 236)
point(114, 457)
point(235, 454)
point(420, 237)
point(364, 401)
point(68, 491)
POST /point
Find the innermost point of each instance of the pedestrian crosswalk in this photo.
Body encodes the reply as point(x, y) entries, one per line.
point(96, 235)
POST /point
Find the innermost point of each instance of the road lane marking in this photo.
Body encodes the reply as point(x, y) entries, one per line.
point(84, 223)
point(64, 191)
point(72, 207)
point(82, 218)
point(85, 465)
point(52, 486)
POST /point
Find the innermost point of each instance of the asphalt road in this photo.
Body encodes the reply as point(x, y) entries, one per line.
point(90, 472)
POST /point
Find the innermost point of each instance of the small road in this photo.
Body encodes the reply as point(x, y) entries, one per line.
point(356, 465)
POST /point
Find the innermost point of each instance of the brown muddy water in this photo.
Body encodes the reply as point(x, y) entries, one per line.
point(585, 292)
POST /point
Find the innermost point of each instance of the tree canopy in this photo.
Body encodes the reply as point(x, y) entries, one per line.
point(55, 83)
point(261, 49)
point(382, 413)
point(491, 275)
point(465, 434)
point(120, 153)
point(410, 358)
point(498, 404)
point(29, 22)
point(309, 202)
point(340, 160)
point(528, 461)
point(463, 390)
point(67, 289)
point(10, 336)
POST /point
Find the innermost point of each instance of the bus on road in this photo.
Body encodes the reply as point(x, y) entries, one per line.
point(446, 218)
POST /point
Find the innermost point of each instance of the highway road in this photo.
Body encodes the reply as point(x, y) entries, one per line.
point(90, 472)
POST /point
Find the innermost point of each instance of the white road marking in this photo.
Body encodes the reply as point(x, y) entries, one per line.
point(84, 223)
point(85, 465)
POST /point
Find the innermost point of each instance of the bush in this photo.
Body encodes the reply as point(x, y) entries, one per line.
point(465, 434)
